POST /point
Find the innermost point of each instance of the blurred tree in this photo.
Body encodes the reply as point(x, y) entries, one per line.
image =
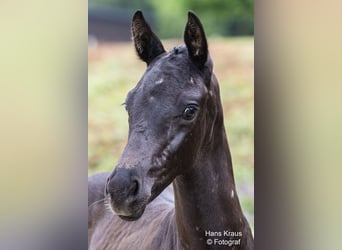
point(221, 17)
point(225, 17)
point(131, 4)
point(171, 17)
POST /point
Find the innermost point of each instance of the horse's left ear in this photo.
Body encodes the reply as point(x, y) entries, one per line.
point(147, 44)
point(195, 40)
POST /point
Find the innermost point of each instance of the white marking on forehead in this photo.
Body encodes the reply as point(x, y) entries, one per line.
point(232, 194)
point(192, 80)
point(160, 81)
point(197, 228)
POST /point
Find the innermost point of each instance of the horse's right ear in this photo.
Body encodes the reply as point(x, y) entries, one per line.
point(147, 44)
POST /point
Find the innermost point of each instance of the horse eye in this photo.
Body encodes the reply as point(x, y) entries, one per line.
point(190, 112)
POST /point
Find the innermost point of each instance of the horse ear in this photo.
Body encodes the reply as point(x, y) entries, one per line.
point(195, 40)
point(147, 44)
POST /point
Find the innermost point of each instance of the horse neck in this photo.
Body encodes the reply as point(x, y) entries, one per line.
point(205, 197)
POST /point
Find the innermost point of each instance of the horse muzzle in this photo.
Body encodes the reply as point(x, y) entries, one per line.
point(128, 193)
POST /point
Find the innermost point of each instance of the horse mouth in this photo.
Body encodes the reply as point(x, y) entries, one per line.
point(134, 216)
point(128, 213)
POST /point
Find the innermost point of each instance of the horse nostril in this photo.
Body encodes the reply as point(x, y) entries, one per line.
point(106, 190)
point(123, 184)
point(134, 188)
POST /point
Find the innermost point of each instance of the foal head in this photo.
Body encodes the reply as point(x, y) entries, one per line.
point(170, 116)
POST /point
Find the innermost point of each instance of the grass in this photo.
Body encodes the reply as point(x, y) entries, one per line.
point(113, 69)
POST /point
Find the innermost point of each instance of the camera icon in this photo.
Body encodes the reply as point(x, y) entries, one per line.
point(209, 241)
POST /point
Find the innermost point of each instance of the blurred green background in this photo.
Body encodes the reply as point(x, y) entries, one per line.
point(221, 17)
point(114, 69)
